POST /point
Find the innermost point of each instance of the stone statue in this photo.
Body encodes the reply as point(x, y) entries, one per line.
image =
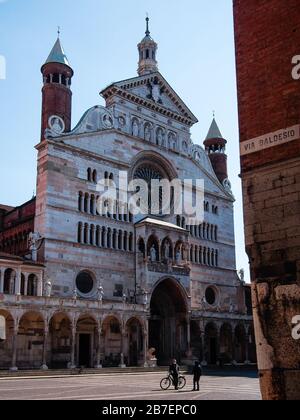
point(145, 298)
point(48, 289)
point(147, 133)
point(100, 293)
point(241, 274)
point(107, 121)
point(151, 358)
point(56, 126)
point(159, 137)
point(167, 250)
point(178, 256)
point(153, 254)
point(34, 238)
point(135, 129)
point(75, 294)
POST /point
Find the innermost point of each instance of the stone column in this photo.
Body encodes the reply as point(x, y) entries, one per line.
point(94, 235)
point(188, 334)
point(89, 204)
point(204, 347)
point(45, 343)
point(234, 362)
point(14, 347)
point(73, 344)
point(123, 342)
point(18, 283)
point(145, 348)
point(2, 271)
point(40, 285)
point(99, 333)
point(247, 361)
point(26, 275)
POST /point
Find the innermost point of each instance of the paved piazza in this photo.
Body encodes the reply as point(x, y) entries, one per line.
point(128, 387)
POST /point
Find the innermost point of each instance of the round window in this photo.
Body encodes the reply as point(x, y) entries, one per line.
point(210, 296)
point(84, 283)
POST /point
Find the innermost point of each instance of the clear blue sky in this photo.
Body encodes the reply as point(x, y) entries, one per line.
point(196, 56)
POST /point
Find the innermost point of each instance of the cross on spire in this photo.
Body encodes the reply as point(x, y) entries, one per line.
point(147, 25)
point(58, 31)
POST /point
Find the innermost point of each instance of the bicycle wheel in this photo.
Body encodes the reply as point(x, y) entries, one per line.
point(181, 382)
point(165, 384)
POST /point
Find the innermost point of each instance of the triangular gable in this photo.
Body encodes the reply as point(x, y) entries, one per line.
point(154, 89)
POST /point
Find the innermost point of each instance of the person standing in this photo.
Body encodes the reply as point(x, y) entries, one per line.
point(197, 372)
point(174, 372)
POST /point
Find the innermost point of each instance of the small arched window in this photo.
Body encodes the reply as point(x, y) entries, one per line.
point(86, 232)
point(89, 174)
point(32, 285)
point(95, 176)
point(79, 234)
point(130, 242)
point(86, 201)
point(55, 78)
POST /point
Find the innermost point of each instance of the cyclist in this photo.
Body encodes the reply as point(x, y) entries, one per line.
point(174, 372)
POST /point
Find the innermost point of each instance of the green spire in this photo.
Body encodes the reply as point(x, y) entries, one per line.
point(214, 131)
point(57, 54)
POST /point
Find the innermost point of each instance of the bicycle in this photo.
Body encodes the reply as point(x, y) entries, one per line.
point(166, 383)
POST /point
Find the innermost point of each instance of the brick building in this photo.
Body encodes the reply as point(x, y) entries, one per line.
point(116, 285)
point(267, 34)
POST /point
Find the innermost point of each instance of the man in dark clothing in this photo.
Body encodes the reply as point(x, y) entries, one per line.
point(174, 372)
point(197, 372)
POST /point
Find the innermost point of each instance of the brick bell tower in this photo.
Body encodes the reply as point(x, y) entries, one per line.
point(56, 92)
point(215, 146)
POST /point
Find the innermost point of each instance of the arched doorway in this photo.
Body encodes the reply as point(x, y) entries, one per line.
point(252, 346)
point(86, 331)
point(111, 342)
point(9, 282)
point(60, 336)
point(168, 322)
point(30, 340)
point(196, 340)
point(226, 343)
point(240, 344)
point(211, 343)
point(135, 342)
point(7, 344)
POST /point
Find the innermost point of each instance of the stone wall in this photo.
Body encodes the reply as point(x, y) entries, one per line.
point(267, 37)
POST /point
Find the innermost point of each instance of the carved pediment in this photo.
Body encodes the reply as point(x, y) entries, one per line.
point(155, 91)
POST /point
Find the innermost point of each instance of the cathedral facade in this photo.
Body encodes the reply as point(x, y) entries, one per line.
point(99, 289)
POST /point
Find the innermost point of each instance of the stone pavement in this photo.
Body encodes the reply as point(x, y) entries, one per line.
point(243, 386)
